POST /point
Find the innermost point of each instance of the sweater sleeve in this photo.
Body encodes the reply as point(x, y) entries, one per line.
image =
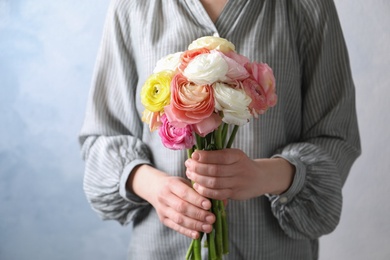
point(329, 142)
point(111, 135)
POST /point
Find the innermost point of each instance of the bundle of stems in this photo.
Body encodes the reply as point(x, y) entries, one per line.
point(217, 240)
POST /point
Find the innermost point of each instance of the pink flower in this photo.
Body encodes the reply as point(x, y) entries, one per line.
point(190, 103)
point(208, 125)
point(254, 90)
point(260, 87)
point(240, 59)
point(236, 66)
point(175, 138)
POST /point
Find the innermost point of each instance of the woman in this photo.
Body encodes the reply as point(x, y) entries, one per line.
point(283, 184)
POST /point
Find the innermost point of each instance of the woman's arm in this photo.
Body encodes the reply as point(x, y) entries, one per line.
point(110, 137)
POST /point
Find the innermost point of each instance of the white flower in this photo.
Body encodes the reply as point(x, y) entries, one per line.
point(206, 69)
point(233, 103)
point(169, 62)
point(212, 43)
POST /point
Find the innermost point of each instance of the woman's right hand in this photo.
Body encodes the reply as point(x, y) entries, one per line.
point(178, 206)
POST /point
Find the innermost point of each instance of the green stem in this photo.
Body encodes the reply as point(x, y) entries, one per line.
point(225, 233)
point(189, 152)
point(199, 142)
point(218, 229)
point(224, 133)
point(208, 139)
point(189, 254)
point(197, 248)
point(218, 137)
point(232, 136)
point(211, 245)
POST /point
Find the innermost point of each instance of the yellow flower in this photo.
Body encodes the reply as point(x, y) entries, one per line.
point(156, 91)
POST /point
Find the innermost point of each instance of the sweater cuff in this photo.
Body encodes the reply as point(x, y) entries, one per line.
point(297, 184)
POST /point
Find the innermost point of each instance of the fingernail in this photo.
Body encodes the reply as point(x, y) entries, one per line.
point(195, 156)
point(196, 186)
point(209, 219)
point(205, 204)
point(205, 227)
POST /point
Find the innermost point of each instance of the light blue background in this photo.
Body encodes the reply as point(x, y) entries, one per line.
point(47, 52)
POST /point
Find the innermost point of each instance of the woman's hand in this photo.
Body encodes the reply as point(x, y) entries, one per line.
point(178, 206)
point(231, 174)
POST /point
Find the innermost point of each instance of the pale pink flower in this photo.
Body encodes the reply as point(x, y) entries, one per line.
point(260, 87)
point(207, 125)
point(236, 68)
point(240, 59)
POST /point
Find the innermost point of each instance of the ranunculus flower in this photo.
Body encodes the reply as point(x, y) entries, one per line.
point(206, 69)
point(256, 92)
point(240, 59)
point(212, 43)
point(152, 119)
point(174, 137)
point(260, 87)
point(155, 93)
point(189, 55)
point(236, 70)
point(169, 62)
point(207, 125)
point(190, 103)
point(233, 102)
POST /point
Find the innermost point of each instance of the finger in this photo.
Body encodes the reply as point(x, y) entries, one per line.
point(209, 181)
point(225, 156)
point(219, 194)
point(185, 200)
point(186, 193)
point(186, 209)
point(182, 230)
point(184, 224)
point(213, 170)
point(203, 169)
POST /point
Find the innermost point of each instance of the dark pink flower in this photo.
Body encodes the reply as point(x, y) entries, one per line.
point(175, 138)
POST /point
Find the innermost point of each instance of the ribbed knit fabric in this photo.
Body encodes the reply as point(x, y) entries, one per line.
point(314, 124)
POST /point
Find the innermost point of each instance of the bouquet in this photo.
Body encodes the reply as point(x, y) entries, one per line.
point(193, 97)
